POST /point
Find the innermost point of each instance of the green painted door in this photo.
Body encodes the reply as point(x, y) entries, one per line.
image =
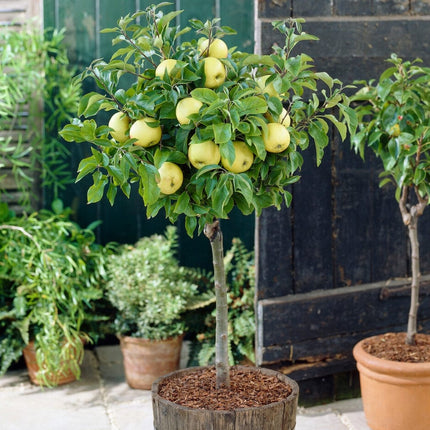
point(83, 19)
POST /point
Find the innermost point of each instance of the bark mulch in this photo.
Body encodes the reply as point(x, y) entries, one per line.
point(392, 346)
point(247, 389)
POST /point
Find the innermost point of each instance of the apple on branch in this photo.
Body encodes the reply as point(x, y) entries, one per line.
point(203, 154)
point(243, 158)
point(119, 123)
point(218, 48)
point(214, 71)
point(144, 134)
point(171, 178)
point(186, 107)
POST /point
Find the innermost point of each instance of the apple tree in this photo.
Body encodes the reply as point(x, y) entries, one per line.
point(203, 128)
point(394, 122)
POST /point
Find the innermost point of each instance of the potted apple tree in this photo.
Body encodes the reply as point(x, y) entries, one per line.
point(394, 122)
point(202, 129)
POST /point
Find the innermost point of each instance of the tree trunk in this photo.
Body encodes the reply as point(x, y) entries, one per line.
point(214, 234)
point(415, 284)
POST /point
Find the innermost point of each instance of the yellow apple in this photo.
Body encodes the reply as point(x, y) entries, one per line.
point(269, 89)
point(215, 73)
point(277, 137)
point(146, 135)
point(171, 178)
point(168, 65)
point(284, 118)
point(119, 123)
point(187, 107)
point(243, 158)
point(203, 154)
point(218, 48)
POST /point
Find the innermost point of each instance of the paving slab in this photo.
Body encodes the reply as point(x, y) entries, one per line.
point(102, 400)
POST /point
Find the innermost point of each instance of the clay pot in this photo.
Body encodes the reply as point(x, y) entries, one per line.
point(146, 360)
point(59, 378)
point(396, 395)
point(279, 415)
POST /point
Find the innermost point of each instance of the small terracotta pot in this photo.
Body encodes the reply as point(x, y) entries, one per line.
point(396, 395)
point(146, 360)
point(60, 378)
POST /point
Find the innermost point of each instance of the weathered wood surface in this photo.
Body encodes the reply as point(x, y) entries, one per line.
point(342, 232)
point(19, 11)
point(275, 416)
point(320, 328)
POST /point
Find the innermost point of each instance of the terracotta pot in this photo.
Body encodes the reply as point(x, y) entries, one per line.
point(60, 378)
point(396, 395)
point(146, 360)
point(279, 415)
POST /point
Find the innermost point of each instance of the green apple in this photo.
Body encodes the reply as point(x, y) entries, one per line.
point(269, 89)
point(171, 178)
point(203, 154)
point(215, 73)
point(218, 48)
point(119, 123)
point(187, 107)
point(277, 137)
point(243, 158)
point(168, 65)
point(145, 134)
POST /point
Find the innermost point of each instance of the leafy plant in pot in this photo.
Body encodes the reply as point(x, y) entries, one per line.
point(203, 131)
point(150, 292)
point(394, 122)
point(50, 276)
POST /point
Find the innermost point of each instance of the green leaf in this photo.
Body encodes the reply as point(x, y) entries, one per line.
point(222, 133)
point(111, 193)
point(95, 191)
point(341, 127)
point(221, 195)
point(205, 95)
point(320, 139)
point(72, 133)
point(251, 105)
point(326, 78)
point(227, 151)
point(190, 225)
point(86, 166)
point(243, 184)
point(148, 185)
point(254, 59)
point(182, 203)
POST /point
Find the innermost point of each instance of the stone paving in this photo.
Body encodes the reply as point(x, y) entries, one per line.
point(101, 400)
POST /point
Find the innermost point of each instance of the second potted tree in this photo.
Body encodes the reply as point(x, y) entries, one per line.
point(394, 118)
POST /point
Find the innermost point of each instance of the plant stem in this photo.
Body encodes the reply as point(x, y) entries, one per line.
point(415, 285)
point(410, 216)
point(214, 234)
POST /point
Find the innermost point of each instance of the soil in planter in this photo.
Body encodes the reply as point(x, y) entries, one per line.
point(247, 389)
point(392, 346)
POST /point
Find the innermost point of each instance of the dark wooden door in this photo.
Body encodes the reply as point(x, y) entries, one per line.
point(329, 266)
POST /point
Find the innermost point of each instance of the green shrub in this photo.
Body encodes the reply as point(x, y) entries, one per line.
point(149, 289)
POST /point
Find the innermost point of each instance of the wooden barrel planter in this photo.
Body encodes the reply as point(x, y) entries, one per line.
point(169, 415)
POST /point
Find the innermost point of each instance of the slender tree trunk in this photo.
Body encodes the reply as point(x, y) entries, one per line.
point(214, 234)
point(410, 215)
point(415, 285)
